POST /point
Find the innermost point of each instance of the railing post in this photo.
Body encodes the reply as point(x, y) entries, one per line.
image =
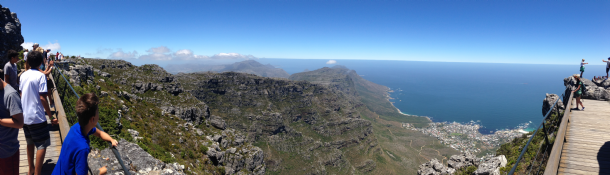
point(546, 136)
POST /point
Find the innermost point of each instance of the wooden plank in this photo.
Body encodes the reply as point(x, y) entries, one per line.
point(588, 156)
point(581, 167)
point(581, 125)
point(583, 150)
point(570, 171)
point(553, 163)
point(586, 161)
point(577, 139)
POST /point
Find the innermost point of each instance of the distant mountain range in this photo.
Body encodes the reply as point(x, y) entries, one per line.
point(248, 66)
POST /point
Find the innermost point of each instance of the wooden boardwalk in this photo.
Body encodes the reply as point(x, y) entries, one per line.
point(50, 157)
point(587, 140)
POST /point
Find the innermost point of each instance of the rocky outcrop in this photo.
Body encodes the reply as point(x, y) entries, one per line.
point(434, 168)
point(549, 101)
point(594, 90)
point(466, 159)
point(142, 87)
point(486, 165)
point(229, 150)
point(195, 114)
point(79, 74)
point(134, 157)
point(491, 166)
point(10, 34)
point(368, 165)
point(217, 122)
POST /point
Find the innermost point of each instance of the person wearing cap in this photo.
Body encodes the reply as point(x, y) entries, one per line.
point(578, 92)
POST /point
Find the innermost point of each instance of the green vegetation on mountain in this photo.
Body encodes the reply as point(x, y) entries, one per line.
point(513, 149)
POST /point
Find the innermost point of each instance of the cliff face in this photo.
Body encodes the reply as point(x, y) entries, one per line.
point(10, 33)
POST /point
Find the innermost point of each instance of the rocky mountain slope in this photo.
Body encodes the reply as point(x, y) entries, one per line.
point(304, 128)
point(165, 127)
point(247, 66)
point(228, 123)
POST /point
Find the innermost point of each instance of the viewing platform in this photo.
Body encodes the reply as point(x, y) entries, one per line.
point(583, 141)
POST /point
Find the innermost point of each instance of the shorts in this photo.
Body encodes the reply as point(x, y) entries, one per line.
point(37, 134)
point(607, 69)
point(50, 87)
point(577, 94)
point(10, 165)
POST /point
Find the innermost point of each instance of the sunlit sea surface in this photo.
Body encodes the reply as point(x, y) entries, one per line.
point(498, 96)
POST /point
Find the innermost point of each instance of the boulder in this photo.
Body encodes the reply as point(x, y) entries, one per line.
point(10, 33)
point(548, 102)
point(491, 166)
point(466, 159)
point(217, 122)
point(134, 158)
point(434, 168)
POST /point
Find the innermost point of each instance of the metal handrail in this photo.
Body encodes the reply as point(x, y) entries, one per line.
point(512, 171)
point(114, 150)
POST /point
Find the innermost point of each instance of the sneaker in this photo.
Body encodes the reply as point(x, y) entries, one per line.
point(583, 108)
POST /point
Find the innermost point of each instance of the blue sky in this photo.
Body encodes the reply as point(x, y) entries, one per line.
point(496, 31)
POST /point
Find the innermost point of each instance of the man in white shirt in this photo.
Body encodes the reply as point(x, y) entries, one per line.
point(33, 88)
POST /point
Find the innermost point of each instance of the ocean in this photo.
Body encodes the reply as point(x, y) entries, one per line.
point(495, 95)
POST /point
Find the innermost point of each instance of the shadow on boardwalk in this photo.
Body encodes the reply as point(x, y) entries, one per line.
point(602, 158)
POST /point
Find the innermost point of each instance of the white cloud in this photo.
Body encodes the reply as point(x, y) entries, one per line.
point(186, 54)
point(53, 46)
point(27, 45)
point(232, 56)
point(160, 49)
point(163, 53)
point(331, 62)
point(157, 53)
point(123, 55)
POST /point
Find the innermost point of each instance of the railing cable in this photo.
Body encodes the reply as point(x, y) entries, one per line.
point(512, 171)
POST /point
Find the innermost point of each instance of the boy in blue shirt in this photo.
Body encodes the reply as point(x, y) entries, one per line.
point(73, 156)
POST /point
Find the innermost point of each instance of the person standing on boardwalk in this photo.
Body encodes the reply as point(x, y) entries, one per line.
point(75, 150)
point(11, 119)
point(578, 91)
point(10, 69)
point(33, 89)
point(25, 59)
point(582, 67)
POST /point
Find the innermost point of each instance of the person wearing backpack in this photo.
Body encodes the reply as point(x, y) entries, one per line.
point(578, 91)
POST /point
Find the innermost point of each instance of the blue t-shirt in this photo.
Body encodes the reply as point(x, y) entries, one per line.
point(74, 152)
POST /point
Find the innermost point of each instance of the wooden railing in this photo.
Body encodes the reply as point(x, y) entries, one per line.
point(553, 163)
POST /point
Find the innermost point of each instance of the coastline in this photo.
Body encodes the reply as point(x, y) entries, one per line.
point(389, 98)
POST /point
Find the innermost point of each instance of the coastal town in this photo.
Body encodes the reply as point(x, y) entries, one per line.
point(466, 136)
